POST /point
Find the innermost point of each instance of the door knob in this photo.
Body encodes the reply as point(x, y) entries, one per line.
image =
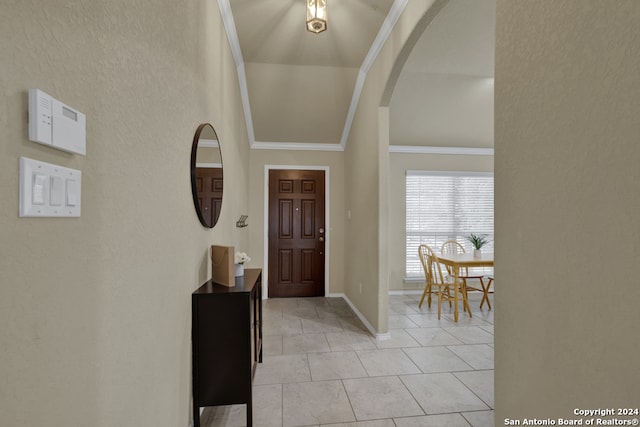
point(321, 230)
point(321, 239)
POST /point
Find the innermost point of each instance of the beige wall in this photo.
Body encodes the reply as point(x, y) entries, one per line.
point(366, 280)
point(336, 210)
point(400, 163)
point(278, 88)
point(95, 311)
point(567, 203)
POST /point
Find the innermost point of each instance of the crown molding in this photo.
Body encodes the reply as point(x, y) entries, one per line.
point(234, 43)
point(382, 36)
point(414, 149)
point(301, 146)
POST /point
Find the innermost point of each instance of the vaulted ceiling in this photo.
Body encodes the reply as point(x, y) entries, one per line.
point(300, 88)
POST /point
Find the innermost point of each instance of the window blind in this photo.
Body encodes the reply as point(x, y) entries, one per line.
point(446, 205)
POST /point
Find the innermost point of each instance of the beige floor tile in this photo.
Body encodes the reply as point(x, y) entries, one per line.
point(442, 393)
point(398, 338)
point(281, 326)
point(335, 365)
point(319, 402)
point(282, 369)
point(342, 341)
point(334, 311)
point(305, 312)
point(337, 301)
point(480, 418)
point(387, 362)
point(381, 397)
point(481, 383)
point(352, 324)
point(471, 334)
point(430, 320)
point(304, 343)
point(271, 314)
point(484, 314)
point(313, 302)
point(224, 416)
point(433, 336)
point(443, 420)
point(327, 324)
point(479, 356)
point(403, 308)
point(400, 321)
point(488, 329)
point(280, 303)
point(319, 340)
point(271, 345)
point(465, 321)
point(375, 423)
point(436, 359)
point(267, 405)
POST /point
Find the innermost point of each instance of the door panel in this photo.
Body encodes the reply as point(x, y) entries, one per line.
point(209, 184)
point(296, 233)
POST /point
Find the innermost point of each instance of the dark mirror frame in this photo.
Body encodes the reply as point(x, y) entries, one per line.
point(207, 222)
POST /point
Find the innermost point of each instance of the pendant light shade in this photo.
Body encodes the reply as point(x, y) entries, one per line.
point(316, 15)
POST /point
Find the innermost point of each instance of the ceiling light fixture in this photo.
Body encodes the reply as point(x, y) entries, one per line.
point(316, 15)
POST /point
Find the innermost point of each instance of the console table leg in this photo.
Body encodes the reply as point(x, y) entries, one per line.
point(196, 416)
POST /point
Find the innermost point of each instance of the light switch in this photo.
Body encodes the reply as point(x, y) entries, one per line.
point(57, 191)
point(72, 192)
point(39, 182)
point(48, 190)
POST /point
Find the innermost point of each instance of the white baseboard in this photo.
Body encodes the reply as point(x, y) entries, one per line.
point(407, 292)
point(369, 326)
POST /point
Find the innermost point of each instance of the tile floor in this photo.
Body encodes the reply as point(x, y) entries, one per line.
point(322, 368)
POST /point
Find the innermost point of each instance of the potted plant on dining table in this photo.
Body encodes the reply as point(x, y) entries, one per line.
point(478, 242)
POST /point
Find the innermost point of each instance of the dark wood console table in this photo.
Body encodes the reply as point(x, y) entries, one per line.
point(227, 342)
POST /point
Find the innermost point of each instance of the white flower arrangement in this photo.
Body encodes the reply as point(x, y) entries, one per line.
point(241, 258)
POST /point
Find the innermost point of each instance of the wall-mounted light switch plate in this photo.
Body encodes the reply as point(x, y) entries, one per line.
point(48, 190)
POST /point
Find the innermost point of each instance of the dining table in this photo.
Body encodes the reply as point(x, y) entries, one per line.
point(469, 260)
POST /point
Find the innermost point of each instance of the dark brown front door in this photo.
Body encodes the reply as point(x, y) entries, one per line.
point(209, 186)
point(296, 233)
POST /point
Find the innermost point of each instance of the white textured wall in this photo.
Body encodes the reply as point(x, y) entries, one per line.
point(567, 201)
point(95, 311)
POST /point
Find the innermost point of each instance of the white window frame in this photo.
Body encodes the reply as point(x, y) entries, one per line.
point(435, 236)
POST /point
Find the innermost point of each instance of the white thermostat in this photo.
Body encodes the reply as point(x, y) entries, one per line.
point(55, 124)
point(48, 190)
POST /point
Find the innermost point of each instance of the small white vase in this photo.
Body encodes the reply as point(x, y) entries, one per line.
point(239, 270)
point(477, 253)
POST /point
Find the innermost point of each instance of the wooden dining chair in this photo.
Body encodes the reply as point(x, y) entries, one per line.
point(438, 283)
point(487, 290)
point(455, 247)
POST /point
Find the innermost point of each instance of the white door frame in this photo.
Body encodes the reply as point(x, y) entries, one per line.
point(327, 223)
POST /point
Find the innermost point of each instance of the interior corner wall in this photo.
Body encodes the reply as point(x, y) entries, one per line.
point(362, 280)
point(400, 163)
point(95, 311)
point(567, 203)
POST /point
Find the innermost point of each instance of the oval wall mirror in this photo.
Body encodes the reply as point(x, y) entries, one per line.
point(206, 175)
